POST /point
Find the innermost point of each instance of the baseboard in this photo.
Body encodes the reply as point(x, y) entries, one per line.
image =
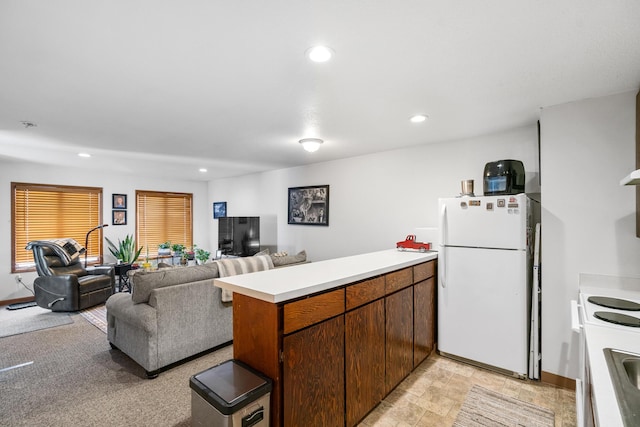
point(13, 301)
point(558, 381)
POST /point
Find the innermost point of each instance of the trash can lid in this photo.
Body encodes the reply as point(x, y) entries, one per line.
point(230, 385)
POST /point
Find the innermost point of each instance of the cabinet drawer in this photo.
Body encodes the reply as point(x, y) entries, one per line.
point(362, 293)
point(399, 279)
point(300, 314)
point(423, 271)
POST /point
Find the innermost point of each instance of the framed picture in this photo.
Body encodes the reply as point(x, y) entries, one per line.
point(119, 201)
point(118, 217)
point(309, 205)
point(219, 209)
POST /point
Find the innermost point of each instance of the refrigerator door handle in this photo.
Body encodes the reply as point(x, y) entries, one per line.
point(441, 252)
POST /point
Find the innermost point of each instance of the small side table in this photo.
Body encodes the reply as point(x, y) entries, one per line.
point(123, 278)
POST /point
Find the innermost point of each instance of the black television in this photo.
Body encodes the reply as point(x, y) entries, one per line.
point(239, 235)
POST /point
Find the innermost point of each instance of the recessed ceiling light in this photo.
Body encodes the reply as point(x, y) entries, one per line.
point(418, 118)
point(84, 155)
point(203, 170)
point(319, 53)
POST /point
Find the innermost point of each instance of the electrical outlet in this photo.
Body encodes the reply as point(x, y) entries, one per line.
point(18, 278)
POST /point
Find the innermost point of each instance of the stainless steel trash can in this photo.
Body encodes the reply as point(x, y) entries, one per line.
point(231, 394)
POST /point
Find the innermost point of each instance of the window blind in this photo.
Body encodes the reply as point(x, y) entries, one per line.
point(43, 212)
point(162, 217)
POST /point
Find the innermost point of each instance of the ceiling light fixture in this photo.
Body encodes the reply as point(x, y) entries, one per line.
point(311, 144)
point(84, 155)
point(203, 170)
point(319, 53)
point(418, 118)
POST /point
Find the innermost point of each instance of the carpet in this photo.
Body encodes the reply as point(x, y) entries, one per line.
point(97, 316)
point(486, 408)
point(14, 322)
point(77, 379)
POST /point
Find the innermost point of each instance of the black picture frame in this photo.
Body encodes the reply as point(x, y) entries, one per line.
point(308, 205)
point(119, 201)
point(219, 210)
point(119, 217)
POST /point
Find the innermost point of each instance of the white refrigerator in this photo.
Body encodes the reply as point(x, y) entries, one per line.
point(485, 270)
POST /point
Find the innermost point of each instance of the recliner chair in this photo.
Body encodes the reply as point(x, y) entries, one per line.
point(63, 283)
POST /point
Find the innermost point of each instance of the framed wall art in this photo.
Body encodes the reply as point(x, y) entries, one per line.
point(219, 209)
point(309, 205)
point(118, 217)
point(119, 201)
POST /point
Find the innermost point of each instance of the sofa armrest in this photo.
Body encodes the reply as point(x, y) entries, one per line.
point(101, 269)
point(140, 316)
point(104, 270)
point(58, 293)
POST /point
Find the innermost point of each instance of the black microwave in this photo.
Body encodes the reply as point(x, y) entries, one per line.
point(503, 177)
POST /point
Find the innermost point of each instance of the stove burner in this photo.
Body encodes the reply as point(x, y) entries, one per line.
point(619, 304)
point(617, 318)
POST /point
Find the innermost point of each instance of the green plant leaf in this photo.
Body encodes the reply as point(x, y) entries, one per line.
point(125, 251)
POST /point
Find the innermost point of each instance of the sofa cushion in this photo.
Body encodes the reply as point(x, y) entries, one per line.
point(235, 266)
point(145, 281)
point(280, 260)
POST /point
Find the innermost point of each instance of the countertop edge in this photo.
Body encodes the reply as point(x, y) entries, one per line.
point(256, 284)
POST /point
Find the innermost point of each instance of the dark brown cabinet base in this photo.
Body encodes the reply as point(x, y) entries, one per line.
point(334, 356)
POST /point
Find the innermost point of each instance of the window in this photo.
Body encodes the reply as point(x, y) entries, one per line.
point(42, 212)
point(162, 217)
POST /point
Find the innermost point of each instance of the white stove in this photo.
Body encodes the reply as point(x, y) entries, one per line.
point(594, 393)
point(620, 318)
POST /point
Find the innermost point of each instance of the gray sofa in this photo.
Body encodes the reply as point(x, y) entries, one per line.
point(175, 313)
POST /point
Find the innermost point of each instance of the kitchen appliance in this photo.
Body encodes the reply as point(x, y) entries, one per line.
point(607, 308)
point(618, 312)
point(504, 177)
point(485, 276)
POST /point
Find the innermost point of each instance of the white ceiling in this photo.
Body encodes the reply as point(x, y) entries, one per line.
point(169, 86)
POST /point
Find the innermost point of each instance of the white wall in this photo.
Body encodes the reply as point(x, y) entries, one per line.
point(375, 200)
point(588, 218)
point(110, 183)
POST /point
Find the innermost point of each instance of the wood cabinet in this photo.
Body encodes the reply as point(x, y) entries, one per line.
point(424, 325)
point(313, 375)
point(364, 348)
point(335, 355)
point(399, 337)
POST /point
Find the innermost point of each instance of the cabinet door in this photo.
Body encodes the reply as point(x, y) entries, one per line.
point(364, 360)
point(313, 375)
point(423, 319)
point(399, 342)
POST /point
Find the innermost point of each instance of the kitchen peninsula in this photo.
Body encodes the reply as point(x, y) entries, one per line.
point(335, 336)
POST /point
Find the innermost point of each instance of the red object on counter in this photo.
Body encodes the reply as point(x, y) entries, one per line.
point(410, 243)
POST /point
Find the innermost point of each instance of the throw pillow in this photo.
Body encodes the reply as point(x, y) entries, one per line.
point(234, 266)
point(289, 259)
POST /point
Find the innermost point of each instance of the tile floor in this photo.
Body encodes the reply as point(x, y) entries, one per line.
point(434, 392)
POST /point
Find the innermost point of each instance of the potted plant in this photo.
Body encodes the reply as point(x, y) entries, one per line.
point(164, 248)
point(177, 249)
point(126, 251)
point(188, 254)
point(202, 255)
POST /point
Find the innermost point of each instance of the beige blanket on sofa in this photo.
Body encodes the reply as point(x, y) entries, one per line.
point(234, 266)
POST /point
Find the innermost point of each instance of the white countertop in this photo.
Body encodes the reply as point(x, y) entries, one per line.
point(598, 338)
point(283, 284)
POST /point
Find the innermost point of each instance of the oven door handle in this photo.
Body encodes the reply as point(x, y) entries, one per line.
point(576, 326)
